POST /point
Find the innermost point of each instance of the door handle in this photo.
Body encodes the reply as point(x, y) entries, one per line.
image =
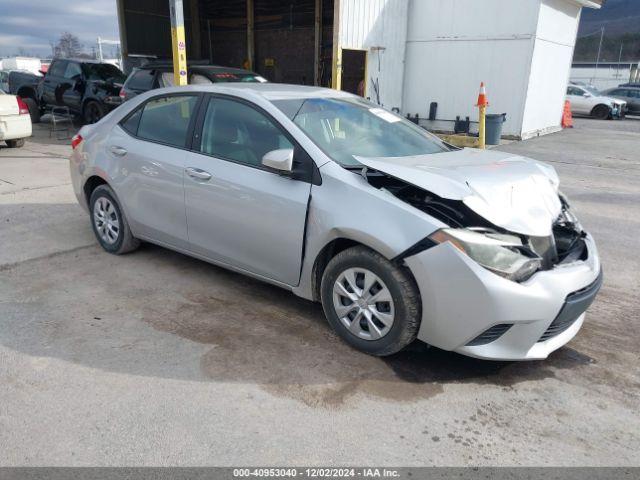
point(118, 151)
point(198, 173)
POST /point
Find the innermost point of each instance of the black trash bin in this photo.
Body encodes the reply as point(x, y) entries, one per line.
point(494, 127)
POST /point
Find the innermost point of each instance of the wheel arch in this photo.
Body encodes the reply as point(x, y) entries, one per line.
point(330, 250)
point(27, 92)
point(91, 184)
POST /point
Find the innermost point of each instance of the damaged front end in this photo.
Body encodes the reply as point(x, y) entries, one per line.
point(515, 256)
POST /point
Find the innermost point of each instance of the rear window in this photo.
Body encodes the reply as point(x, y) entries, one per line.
point(166, 119)
point(141, 80)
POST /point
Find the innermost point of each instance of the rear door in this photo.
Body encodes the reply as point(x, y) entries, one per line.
point(150, 146)
point(239, 212)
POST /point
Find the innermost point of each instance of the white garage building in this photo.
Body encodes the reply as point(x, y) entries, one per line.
point(522, 50)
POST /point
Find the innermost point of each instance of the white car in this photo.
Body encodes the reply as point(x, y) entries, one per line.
point(15, 121)
point(587, 100)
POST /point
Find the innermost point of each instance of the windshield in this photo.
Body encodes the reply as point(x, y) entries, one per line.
point(347, 128)
point(592, 90)
point(103, 71)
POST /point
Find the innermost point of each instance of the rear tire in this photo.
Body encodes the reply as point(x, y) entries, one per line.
point(380, 314)
point(34, 110)
point(16, 143)
point(109, 224)
point(601, 112)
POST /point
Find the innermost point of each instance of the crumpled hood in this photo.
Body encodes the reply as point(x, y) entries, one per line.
point(512, 192)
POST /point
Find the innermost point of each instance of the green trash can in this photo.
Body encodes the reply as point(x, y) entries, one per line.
point(494, 127)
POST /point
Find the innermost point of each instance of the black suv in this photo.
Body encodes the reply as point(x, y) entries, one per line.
point(89, 88)
point(160, 74)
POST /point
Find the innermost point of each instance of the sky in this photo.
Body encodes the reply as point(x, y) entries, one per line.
point(33, 24)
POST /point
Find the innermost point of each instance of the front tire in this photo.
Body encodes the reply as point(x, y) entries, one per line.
point(16, 143)
point(109, 224)
point(371, 303)
point(601, 112)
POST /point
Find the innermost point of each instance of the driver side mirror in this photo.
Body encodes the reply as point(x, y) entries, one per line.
point(280, 160)
point(586, 94)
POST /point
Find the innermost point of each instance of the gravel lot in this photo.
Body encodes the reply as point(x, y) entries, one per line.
point(155, 358)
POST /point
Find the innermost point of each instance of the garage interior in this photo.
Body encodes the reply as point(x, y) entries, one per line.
point(282, 40)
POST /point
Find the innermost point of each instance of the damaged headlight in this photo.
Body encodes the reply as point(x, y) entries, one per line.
point(504, 255)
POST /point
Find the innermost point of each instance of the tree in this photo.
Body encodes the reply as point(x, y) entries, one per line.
point(67, 46)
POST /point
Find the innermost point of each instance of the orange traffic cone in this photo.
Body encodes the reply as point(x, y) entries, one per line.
point(482, 97)
point(567, 117)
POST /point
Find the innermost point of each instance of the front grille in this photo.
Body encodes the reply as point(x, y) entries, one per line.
point(575, 305)
point(490, 335)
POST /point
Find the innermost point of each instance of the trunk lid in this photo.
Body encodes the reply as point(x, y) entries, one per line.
point(8, 105)
point(512, 192)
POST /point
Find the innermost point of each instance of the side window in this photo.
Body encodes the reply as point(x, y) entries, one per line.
point(141, 80)
point(238, 132)
point(57, 68)
point(72, 70)
point(166, 119)
point(131, 123)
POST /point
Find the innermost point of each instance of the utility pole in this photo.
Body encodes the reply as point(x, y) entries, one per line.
point(595, 73)
point(619, 60)
point(100, 58)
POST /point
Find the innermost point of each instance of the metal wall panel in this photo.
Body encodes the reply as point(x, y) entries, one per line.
point(380, 27)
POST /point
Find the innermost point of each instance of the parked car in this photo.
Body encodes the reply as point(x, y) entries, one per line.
point(25, 85)
point(87, 87)
point(159, 75)
point(399, 235)
point(15, 122)
point(587, 100)
point(630, 95)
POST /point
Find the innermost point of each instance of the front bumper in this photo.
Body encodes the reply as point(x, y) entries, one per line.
point(462, 300)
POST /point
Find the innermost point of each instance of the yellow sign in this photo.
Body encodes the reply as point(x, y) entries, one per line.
point(269, 62)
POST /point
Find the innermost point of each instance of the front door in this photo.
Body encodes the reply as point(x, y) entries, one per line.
point(239, 212)
point(579, 100)
point(53, 78)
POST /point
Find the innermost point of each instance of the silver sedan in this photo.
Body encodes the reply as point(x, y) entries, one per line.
point(399, 235)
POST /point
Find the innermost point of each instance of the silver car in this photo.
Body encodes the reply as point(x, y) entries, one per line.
point(399, 235)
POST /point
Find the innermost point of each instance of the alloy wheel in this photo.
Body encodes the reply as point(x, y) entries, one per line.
point(363, 303)
point(106, 221)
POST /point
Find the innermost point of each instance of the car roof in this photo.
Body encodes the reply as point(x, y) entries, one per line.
point(268, 91)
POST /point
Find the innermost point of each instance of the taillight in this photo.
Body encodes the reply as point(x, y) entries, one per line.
point(122, 94)
point(24, 110)
point(76, 140)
